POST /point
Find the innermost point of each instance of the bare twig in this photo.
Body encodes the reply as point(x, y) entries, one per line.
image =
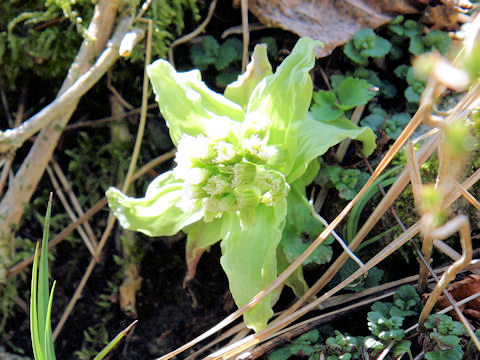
point(14, 138)
point(92, 211)
point(73, 199)
point(33, 167)
point(239, 29)
point(194, 33)
point(69, 210)
point(108, 119)
point(245, 33)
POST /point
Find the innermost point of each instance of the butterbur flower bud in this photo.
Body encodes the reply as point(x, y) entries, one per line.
point(257, 149)
point(217, 184)
point(248, 196)
point(271, 180)
point(219, 204)
point(197, 176)
point(243, 173)
point(226, 153)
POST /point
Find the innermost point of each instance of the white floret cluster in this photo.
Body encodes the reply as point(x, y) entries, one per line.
point(227, 175)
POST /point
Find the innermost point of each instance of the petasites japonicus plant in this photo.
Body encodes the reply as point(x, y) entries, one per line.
point(241, 158)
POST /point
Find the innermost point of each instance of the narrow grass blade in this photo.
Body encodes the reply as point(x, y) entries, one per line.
point(114, 342)
point(34, 326)
point(385, 179)
point(43, 286)
point(49, 348)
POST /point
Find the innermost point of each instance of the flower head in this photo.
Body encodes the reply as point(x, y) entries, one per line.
point(240, 157)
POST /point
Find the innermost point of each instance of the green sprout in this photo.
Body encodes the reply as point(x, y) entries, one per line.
point(41, 301)
point(241, 158)
point(366, 44)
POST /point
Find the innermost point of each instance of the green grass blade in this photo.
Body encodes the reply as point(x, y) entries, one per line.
point(43, 288)
point(49, 348)
point(34, 326)
point(114, 342)
point(388, 178)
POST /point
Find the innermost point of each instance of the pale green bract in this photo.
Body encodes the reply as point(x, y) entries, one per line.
point(239, 157)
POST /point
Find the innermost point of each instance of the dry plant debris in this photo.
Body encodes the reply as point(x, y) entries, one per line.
point(335, 22)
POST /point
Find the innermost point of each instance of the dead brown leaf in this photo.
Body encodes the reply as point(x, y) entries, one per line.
point(333, 22)
point(459, 291)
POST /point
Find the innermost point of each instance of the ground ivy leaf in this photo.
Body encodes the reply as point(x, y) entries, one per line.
point(395, 125)
point(301, 229)
point(230, 51)
point(354, 92)
point(455, 353)
point(381, 48)
point(250, 262)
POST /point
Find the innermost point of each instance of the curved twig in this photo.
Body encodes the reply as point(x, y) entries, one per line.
point(194, 33)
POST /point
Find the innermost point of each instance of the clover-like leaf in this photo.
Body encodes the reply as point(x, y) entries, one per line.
point(354, 92)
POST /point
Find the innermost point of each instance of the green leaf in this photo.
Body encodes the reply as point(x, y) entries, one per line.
point(34, 324)
point(316, 137)
point(281, 354)
point(401, 71)
point(48, 344)
point(325, 106)
point(455, 353)
point(395, 125)
point(259, 67)
point(348, 182)
point(204, 53)
point(41, 300)
point(156, 214)
point(296, 281)
point(107, 349)
point(375, 119)
point(411, 95)
point(413, 28)
point(43, 286)
point(301, 229)
point(284, 98)
point(335, 81)
point(416, 45)
point(374, 276)
point(381, 48)
point(226, 77)
point(271, 43)
point(353, 54)
point(402, 347)
point(364, 39)
point(354, 92)
point(407, 298)
point(188, 105)
point(438, 40)
point(249, 260)
point(230, 51)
